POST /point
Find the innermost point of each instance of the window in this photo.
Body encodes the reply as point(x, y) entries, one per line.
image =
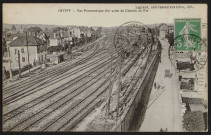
point(23, 59)
point(16, 51)
point(22, 50)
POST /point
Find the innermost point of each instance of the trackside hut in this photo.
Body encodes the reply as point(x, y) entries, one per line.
point(36, 47)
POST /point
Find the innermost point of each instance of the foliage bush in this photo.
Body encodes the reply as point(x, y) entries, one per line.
point(194, 121)
point(55, 49)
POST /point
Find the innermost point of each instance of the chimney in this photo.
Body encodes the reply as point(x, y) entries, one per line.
point(54, 35)
point(61, 34)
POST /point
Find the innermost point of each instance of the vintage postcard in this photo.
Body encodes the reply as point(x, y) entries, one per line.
point(104, 67)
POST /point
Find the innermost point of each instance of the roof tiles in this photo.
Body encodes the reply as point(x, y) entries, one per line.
point(32, 41)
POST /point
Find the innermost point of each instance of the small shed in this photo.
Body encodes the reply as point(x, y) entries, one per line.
point(57, 57)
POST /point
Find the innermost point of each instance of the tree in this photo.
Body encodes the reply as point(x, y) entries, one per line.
point(55, 49)
point(194, 121)
point(35, 29)
point(56, 29)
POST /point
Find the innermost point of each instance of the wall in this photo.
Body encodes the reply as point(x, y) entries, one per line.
point(125, 122)
point(14, 57)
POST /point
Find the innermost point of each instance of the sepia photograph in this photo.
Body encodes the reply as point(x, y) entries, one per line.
point(79, 67)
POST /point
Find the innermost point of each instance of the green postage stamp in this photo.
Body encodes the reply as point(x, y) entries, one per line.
point(186, 32)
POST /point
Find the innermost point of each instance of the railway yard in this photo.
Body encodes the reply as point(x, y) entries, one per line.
point(104, 68)
point(60, 97)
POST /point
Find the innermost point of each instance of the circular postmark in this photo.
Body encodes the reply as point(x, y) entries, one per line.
point(130, 37)
point(188, 53)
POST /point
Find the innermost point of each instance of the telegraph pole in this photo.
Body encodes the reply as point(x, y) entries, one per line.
point(10, 63)
point(19, 64)
point(28, 53)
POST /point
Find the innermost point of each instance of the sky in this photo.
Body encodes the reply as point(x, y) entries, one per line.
point(19, 13)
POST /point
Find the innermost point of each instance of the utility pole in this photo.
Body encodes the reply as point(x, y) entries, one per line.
point(19, 64)
point(10, 63)
point(28, 53)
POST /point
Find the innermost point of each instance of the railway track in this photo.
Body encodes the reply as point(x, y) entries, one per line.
point(61, 108)
point(28, 84)
point(26, 92)
point(60, 101)
point(52, 92)
point(44, 75)
point(52, 126)
point(31, 92)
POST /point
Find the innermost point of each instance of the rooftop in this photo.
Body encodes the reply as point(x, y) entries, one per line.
point(192, 100)
point(32, 41)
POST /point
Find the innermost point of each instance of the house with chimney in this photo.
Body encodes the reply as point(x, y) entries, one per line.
point(37, 49)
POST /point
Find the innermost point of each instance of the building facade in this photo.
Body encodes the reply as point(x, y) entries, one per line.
point(37, 50)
